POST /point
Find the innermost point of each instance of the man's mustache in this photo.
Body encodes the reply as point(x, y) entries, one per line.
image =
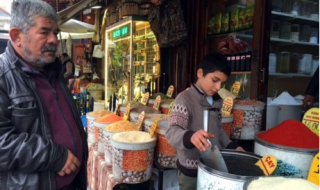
point(49, 48)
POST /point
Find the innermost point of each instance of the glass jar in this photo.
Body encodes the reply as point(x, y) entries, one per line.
point(295, 31)
point(294, 60)
point(305, 31)
point(314, 35)
point(285, 30)
point(314, 14)
point(315, 64)
point(283, 62)
point(275, 28)
point(305, 64)
point(272, 62)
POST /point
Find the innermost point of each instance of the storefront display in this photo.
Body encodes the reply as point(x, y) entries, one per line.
point(131, 58)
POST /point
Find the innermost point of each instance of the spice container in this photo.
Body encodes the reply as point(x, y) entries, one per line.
point(227, 124)
point(305, 31)
point(285, 30)
point(99, 124)
point(91, 117)
point(165, 155)
point(108, 131)
point(314, 35)
point(294, 59)
point(149, 119)
point(295, 32)
point(305, 64)
point(132, 157)
point(272, 62)
point(283, 62)
point(247, 115)
point(294, 154)
point(164, 106)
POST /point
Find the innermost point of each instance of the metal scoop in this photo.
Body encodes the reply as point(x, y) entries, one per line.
point(212, 156)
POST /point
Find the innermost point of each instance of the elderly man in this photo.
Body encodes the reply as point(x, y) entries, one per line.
point(42, 142)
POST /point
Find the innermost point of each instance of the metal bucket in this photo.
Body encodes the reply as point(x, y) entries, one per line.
point(296, 161)
point(241, 167)
point(289, 112)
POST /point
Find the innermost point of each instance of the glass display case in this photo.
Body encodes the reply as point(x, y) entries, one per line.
point(132, 58)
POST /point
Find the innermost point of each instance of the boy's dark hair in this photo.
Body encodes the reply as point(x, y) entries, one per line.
point(65, 55)
point(215, 62)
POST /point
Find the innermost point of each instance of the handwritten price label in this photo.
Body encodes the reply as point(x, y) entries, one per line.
point(314, 170)
point(126, 114)
point(153, 128)
point(170, 91)
point(311, 120)
point(140, 120)
point(157, 102)
point(227, 106)
point(235, 88)
point(267, 164)
point(170, 108)
point(145, 99)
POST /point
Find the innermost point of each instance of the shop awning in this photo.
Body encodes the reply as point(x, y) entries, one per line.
point(76, 26)
point(65, 35)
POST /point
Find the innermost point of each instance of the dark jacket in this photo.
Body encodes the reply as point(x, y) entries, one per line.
point(64, 68)
point(313, 86)
point(29, 159)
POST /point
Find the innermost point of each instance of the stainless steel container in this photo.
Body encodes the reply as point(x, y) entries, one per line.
point(241, 167)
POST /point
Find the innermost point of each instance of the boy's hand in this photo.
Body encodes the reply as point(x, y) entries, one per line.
point(239, 148)
point(199, 139)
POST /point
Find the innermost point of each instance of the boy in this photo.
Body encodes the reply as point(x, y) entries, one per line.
point(186, 131)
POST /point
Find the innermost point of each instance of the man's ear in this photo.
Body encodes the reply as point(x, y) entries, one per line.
point(15, 35)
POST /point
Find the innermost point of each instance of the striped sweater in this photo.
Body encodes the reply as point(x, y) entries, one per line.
point(187, 118)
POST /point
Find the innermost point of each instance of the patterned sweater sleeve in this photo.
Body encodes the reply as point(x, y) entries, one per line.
point(178, 134)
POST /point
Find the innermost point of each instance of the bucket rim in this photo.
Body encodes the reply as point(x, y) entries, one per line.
point(228, 175)
point(132, 146)
point(282, 147)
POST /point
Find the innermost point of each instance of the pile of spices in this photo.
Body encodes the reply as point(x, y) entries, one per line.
point(99, 113)
point(110, 118)
point(121, 126)
point(291, 133)
point(248, 102)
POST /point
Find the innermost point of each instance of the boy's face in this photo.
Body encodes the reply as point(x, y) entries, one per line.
point(212, 82)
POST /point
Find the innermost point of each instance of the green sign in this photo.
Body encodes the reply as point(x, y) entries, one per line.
point(121, 32)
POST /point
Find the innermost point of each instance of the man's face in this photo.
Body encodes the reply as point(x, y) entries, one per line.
point(39, 45)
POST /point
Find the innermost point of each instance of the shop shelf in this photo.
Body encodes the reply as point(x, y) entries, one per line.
point(289, 75)
point(288, 17)
point(241, 72)
point(293, 42)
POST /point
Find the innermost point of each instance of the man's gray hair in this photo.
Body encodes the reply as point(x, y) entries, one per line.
point(23, 13)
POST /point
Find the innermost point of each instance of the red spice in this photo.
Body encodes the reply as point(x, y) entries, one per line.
point(291, 133)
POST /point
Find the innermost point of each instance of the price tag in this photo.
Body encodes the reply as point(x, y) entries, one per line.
point(311, 120)
point(126, 114)
point(170, 108)
point(145, 98)
point(314, 170)
point(235, 88)
point(140, 120)
point(267, 164)
point(157, 102)
point(153, 128)
point(170, 91)
point(227, 106)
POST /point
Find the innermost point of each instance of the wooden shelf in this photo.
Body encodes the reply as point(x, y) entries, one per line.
point(293, 17)
point(293, 42)
point(289, 75)
point(241, 72)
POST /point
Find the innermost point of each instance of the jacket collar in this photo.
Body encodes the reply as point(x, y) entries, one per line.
point(15, 61)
